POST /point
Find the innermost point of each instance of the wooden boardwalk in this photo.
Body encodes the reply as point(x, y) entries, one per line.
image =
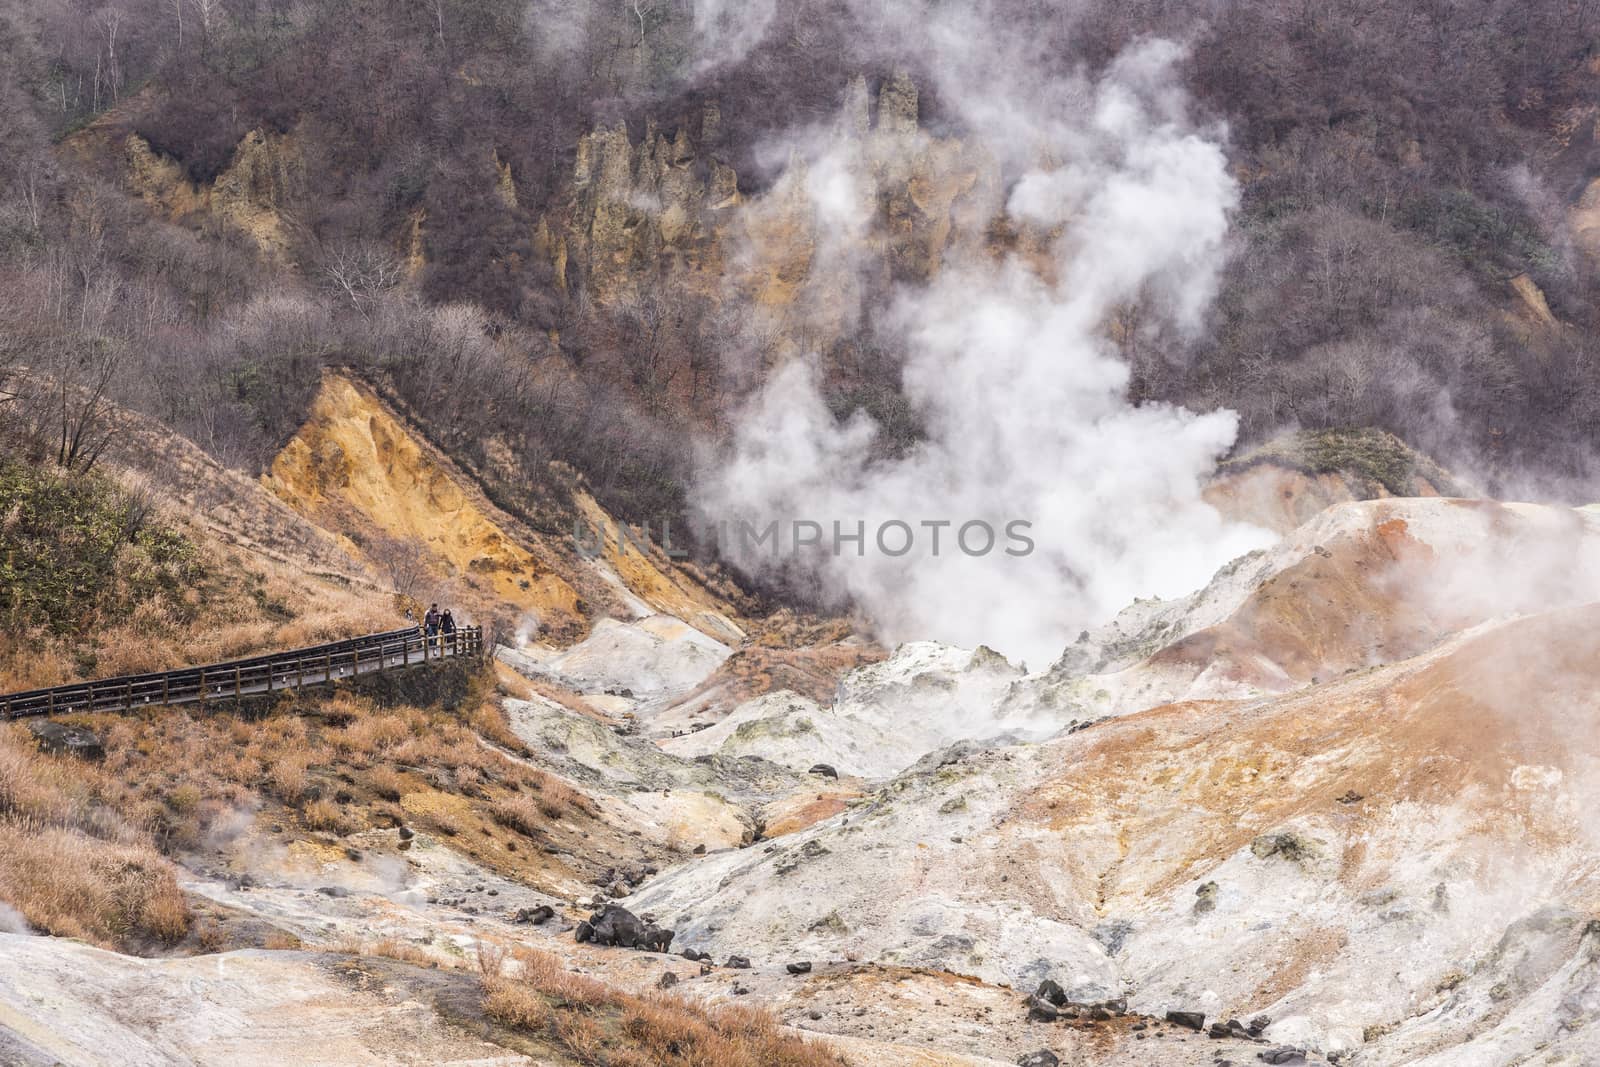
point(295, 669)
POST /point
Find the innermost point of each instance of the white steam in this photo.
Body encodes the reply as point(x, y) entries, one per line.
point(12, 921)
point(1009, 365)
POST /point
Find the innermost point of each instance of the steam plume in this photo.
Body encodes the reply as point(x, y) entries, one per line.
point(1021, 392)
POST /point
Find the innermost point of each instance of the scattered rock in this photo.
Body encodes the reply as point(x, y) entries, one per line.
point(801, 967)
point(738, 962)
point(333, 890)
point(59, 739)
point(694, 955)
point(613, 925)
point(1043, 1058)
point(534, 916)
point(1205, 898)
point(1051, 991)
point(1351, 797)
point(406, 833)
point(1282, 1055)
point(1041, 1010)
point(583, 933)
point(1232, 1028)
point(809, 851)
point(1258, 1024)
point(1193, 1020)
point(699, 850)
point(823, 770)
point(1290, 846)
point(667, 981)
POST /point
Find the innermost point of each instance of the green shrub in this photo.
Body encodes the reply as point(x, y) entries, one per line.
point(75, 547)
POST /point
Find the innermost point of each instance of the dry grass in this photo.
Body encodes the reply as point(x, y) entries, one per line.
point(71, 862)
point(517, 813)
point(387, 782)
point(598, 1025)
point(325, 815)
point(389, 947)
point(339, 764)
point(244, 606)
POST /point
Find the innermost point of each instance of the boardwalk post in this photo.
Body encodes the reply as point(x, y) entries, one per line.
point(130, 693)
point(238, 682)
point(202, 687)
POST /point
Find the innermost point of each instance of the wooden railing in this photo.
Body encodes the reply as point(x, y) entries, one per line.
point(296, 669)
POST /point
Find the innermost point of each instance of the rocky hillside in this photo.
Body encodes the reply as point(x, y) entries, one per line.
point(1264, 327)
point(1330, 808)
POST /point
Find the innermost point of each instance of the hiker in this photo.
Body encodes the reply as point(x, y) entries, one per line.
point(447, 627)
point(430, 623)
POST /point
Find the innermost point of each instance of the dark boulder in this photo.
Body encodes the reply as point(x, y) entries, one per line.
point(1051, 990)
point(801, 967)
point(1282, 1056)
point(738, 962)
point(59, 739)
point(1233, 1028)
point(656, 938)
point(667, 981)
point(823, 770)
point(583, 933)
point(1043, 1058)
point(614, 925)
point(534, 916)
point(1193, 1020)
point(1041, 1010)
point(694, 955)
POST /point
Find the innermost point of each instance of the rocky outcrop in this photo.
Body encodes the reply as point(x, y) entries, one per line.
point(642, 209)
point(880, 200)
point(266, 176)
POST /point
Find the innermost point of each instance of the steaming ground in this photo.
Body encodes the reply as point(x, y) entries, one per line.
point(1347, 785)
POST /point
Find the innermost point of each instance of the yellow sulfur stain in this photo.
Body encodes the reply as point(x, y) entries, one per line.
point(352, 454)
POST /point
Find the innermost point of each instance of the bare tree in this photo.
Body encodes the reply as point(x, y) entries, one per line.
point(208, 11)
point(361, 272)
point(404, 561)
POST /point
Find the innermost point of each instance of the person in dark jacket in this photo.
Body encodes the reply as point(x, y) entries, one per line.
point(447, 627)
point(430, 622)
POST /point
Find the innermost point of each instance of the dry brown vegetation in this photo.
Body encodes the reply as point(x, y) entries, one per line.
point(82, 844)
point(338, 762)
point(599, 1025)
point(71, 862)
point(240, 607)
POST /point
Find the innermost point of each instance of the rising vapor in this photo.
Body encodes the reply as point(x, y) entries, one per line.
point(1020, 390)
